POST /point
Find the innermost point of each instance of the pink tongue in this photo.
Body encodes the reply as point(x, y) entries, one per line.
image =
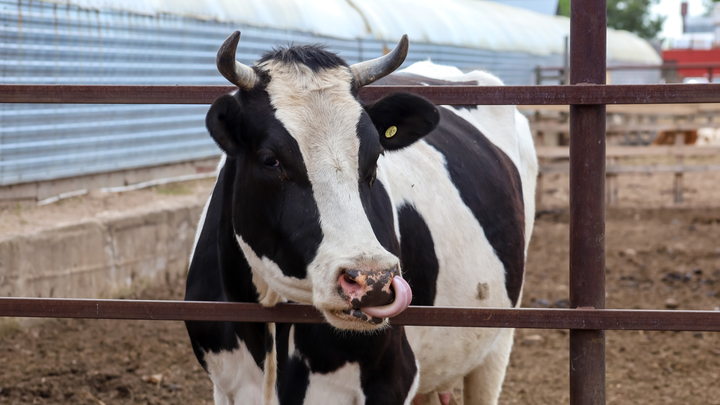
point(403, 296)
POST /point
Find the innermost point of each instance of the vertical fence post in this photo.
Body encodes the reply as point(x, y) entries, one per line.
point(679, 161)
point(611, 180)
point(566, 66)
point(587, 199)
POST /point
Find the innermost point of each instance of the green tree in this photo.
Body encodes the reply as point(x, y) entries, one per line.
point(629, 15)
point(564, 8)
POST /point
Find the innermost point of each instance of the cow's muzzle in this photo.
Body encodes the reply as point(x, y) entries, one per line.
point(379, 294)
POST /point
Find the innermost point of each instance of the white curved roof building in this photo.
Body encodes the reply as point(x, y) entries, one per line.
point(474, 24)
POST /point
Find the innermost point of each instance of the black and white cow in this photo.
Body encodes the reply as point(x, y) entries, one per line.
point(323, 200)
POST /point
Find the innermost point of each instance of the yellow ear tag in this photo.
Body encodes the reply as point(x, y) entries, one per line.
point(391, 132)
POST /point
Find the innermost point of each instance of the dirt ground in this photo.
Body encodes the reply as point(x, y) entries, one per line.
point(104, 361)
point(657, 258)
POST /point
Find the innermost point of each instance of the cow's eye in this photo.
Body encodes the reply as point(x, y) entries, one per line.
point(271, 161)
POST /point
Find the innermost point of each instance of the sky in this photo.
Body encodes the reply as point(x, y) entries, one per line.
point(671, 8)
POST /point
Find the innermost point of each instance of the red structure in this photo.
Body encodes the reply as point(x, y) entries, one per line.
point(692, 56)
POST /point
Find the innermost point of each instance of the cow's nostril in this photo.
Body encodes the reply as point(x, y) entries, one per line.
point(349, 279)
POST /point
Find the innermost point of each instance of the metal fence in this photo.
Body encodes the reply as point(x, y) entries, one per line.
point(617, 73)
point(627, 74)
point(587, 321)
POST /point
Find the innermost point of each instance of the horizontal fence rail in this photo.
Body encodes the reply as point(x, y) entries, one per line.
point(678, 168)
point(563, 152)
point(647, 67)
point(576, 319)
point(579, 94)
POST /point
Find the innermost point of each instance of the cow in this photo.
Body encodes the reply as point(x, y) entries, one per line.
point(360, 210)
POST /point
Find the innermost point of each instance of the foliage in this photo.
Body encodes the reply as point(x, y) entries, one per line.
point(634, 16)
point(564, 8)
point(629, 15)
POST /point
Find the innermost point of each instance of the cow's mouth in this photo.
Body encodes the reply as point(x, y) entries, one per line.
point(376, 315)
point(359, 314)
point(403, 297)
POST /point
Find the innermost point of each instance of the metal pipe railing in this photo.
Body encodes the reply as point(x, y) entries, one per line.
point(534, 318)
point(579, 94)
point(587, 199)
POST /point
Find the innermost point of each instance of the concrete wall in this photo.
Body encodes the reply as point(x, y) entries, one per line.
point(101, 256)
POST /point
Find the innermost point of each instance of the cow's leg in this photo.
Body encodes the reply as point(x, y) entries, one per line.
point(482, 385)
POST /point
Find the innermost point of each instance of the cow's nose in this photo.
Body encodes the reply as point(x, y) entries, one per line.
point(368, 288)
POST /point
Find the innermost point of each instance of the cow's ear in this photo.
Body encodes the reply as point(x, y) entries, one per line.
point(224, 121)
point(402, 118)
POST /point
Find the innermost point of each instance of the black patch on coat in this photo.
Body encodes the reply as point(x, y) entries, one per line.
point(274, 210)
point(316, 57)
point(282, 340)
point(374, 197)
point(396, 371)
point(387, 364)
point(293, 382)
point(490, 185)
point(419, 262)
point(207, 281)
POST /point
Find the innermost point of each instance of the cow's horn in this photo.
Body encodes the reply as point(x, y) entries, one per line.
point(237, 73)
point(369, 71)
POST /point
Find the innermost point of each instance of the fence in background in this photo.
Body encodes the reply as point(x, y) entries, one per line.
point(622, 74)
point(548, 155)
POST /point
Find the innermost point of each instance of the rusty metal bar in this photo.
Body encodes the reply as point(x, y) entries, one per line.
point(111, 94)
point(580, 94)
point(649, 67)
point(576, 319)
point(587, 199)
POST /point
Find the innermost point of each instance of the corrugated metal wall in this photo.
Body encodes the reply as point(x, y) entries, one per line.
point(60, 44)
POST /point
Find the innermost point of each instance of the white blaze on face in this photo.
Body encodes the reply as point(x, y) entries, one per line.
point(320, 112)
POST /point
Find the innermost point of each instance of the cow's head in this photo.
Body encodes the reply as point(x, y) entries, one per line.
point(305, 153)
